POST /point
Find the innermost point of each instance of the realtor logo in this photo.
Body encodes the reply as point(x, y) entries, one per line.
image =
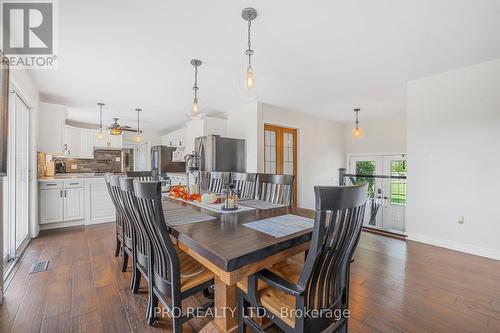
point(28, 32)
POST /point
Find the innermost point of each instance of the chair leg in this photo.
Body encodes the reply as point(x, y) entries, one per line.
point(343, 327)
point(152, 304)
point(241, 312)
point(136, 279)
point(118, 247)
point(176, 325)
point(124, 260)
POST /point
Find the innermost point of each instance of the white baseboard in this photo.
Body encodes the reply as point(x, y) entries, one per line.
point(457, 246)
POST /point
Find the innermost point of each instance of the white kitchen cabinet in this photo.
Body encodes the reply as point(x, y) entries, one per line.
point(74, 204)
point(51, 205)
point(51, 128)
point(87, 143)
point(73, 139)
point(98, 205)
point(62, 201)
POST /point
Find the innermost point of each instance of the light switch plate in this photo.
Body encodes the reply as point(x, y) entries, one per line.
point(118, 159)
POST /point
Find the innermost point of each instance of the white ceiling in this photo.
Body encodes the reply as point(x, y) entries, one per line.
point(318, 57)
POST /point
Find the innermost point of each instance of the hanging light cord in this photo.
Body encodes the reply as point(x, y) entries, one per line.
point(100, 117)
point(249, 52)
point(138, 128)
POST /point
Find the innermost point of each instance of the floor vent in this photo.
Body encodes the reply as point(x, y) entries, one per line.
point(39, 267)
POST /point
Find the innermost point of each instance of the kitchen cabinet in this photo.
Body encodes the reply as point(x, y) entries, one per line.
point(87, 143)
point(62, 201)
point(51, 206)
point(109, 141)
point(98, 205)
point(74, 204)
point(51, 128)
point(73, 139)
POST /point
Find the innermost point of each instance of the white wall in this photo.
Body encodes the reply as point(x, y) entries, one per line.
point(453, 122)
point(320, 149)
point(381, 136)
point(245, 122)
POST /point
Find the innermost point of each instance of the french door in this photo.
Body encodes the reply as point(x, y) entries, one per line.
point(280, 153)
point(16, 187)
point(386, 207)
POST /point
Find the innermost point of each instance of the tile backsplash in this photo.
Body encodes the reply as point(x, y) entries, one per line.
point(104, 161)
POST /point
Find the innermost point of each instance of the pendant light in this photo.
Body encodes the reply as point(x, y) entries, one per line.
point(100, 134)
point(249, 14)
point(195, 110)
point(138, 135)
point(250, 86)
point(357, 131)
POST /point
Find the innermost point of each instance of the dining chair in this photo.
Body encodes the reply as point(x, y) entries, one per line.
point(174, 275)
point(140, 175)
point(312, 297)
point(245, 184)
point(127, 229)
point(218, 180)
point(276, 189)
point(140, 239)
point(118, 220)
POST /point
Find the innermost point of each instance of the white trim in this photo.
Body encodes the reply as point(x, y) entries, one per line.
point(456, 246)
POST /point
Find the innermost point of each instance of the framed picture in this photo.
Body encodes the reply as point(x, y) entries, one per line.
point(4, 121)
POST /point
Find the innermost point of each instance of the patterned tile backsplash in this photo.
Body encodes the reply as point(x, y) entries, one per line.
point(104, 161)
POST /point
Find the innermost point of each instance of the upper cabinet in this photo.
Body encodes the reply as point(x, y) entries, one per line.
point(73, 141)
point(87, 140)
point(51, 128)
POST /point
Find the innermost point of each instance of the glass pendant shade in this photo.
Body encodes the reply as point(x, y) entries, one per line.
point(249, 83)
point(194, 109)
point(138, 138)
point(357, 132)
point(100, 135)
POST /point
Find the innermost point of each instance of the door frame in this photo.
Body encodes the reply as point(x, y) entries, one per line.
point(280, 129)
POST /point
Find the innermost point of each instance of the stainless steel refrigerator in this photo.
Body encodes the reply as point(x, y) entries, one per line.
point(221, 154)
point(162, 161)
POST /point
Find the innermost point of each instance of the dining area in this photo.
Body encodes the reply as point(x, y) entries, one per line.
point(257, 262)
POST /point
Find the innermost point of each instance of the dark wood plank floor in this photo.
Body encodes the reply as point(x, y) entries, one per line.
point(396, 286)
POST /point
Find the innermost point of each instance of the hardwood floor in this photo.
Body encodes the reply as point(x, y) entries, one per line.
point(396, 286)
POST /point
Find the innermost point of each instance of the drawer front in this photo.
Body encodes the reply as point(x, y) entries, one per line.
point(50, 185)
point(73, 183)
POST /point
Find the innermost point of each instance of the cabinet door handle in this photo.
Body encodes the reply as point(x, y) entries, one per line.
point(50, 184)
point(73, 183)
point(60, 193)
point(65, 193)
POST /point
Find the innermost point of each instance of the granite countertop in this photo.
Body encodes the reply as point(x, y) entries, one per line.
point(69, 176)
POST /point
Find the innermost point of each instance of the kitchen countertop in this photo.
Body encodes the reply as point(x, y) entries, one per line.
point(69, 176)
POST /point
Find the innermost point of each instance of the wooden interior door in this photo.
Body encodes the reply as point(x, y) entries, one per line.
point(280, 153)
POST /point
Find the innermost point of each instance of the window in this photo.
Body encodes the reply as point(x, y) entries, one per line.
point(366, 168)
point(269, 151)
point(398, 186)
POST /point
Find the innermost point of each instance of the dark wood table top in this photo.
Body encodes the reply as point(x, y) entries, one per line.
point(228, 244)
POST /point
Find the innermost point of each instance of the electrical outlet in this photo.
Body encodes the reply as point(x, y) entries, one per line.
point(461, 220)
point(74, 166)
point(118, 159)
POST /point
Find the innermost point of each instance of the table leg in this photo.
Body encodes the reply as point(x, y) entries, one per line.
point(225, 306)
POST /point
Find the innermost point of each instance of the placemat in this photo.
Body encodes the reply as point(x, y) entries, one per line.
point(178, 217)
point(281, 226)
point(260, 204)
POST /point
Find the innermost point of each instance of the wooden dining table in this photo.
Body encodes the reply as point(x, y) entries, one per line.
point(233, 251)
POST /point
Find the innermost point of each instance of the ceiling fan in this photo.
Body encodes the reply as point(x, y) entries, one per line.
point(117, 129)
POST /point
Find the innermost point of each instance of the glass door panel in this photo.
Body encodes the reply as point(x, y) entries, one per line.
point(280, 152)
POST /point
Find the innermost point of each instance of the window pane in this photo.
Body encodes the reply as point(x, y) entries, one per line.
point(273, 154)
point(398, 186)
point(290, 154)
point(267, 137)
point(273, 138)
point(366, 168)
point(267, 156)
